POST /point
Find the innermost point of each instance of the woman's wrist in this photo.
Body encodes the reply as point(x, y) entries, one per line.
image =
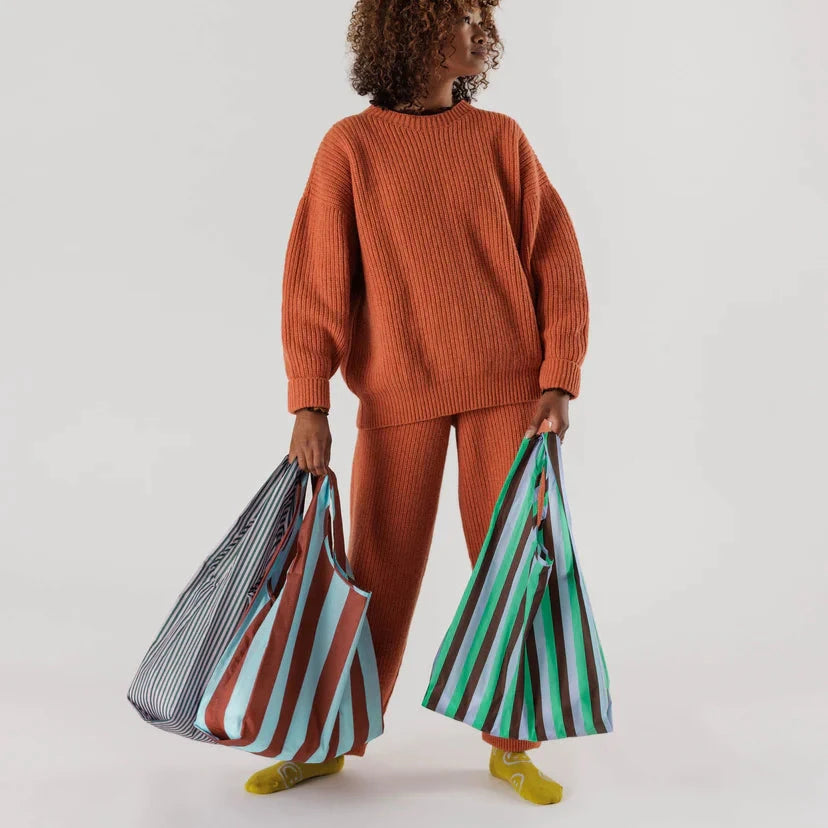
point(317, 408)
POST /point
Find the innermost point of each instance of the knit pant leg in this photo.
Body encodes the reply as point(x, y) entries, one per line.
point(487, 442)
point(395, 486)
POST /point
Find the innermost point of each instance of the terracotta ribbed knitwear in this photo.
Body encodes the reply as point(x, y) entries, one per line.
point(394, 492)
point(433, 262)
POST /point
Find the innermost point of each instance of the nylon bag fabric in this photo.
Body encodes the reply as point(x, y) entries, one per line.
point(171, 678)
point(522, 658)
point(299, 679)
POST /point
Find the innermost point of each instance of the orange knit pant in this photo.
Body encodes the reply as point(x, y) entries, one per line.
point(395, 486)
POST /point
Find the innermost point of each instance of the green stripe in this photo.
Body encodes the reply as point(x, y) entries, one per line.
point(552, 661)
point(528, 698)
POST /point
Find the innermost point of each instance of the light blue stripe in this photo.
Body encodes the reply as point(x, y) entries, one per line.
point(249, 671)
point(370, 678)
point(545, 676)
point(325, 630)
point(346, 721)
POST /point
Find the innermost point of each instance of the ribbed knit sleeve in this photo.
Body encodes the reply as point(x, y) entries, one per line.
point(321, 261)
point(550, 249)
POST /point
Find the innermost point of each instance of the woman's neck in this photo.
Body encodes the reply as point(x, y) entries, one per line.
point(432, 110)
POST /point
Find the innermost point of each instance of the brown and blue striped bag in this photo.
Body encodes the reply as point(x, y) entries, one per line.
point(299, 679)
point(521, 658)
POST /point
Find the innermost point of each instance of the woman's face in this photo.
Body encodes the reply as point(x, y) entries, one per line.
point(466, 54)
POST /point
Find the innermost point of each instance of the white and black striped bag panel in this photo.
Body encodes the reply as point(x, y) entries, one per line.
point(167, 687)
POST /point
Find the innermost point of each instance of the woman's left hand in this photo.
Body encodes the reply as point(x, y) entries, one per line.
point(552, 406)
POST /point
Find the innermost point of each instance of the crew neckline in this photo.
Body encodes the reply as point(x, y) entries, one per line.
point(447, 116)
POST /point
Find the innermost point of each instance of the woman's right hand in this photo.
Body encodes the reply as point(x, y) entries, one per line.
point(311, 442)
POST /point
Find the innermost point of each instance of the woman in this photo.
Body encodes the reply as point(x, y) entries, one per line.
point(434, 262)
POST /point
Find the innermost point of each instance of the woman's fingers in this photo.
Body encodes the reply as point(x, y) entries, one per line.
point(550, 415)
point(317, 458)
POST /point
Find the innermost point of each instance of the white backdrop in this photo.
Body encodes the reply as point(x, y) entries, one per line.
point(152, 158)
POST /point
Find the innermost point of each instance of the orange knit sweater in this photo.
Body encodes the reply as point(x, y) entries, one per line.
point(432, 260)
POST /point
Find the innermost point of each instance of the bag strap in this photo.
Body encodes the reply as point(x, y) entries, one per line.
point(543, 456)
point(336, 519)
point(333, 522)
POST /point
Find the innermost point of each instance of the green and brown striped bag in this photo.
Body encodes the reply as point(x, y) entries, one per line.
point(522, 658)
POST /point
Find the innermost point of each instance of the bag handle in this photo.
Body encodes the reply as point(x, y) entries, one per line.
point(333, 518)
point(544, 435)
point(551, 460)
point(335, 515)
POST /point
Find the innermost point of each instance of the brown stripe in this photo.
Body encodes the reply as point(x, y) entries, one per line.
point(560, 650)
point(345, 634)
point(534, 680)
point(541, 493)
point(217, 706)
point(359, 700)
point(591, 667)
point(477, 586)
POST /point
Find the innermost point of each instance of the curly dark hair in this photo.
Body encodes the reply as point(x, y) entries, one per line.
point(397, 42)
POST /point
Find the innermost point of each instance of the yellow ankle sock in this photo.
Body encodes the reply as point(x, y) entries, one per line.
point(286, 774)
point(530, 782)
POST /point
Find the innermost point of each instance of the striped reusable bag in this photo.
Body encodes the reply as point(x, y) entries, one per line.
point(521, 658)
point(299, 679)
point(171, 678)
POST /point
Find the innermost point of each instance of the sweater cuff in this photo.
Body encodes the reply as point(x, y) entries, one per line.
point(561, 373)
point(304, 391)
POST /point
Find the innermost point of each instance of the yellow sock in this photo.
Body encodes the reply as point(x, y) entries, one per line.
point(530, 782)
point(286, 774)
